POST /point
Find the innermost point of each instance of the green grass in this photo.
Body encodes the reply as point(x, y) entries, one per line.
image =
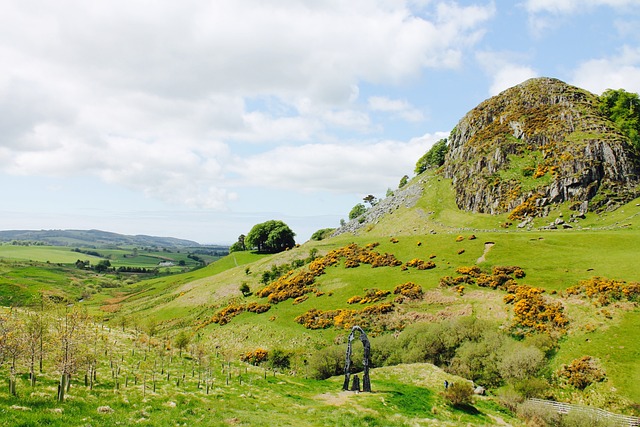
point(117, 257)
point(51, 254)
point(600, 245)
point(240, 394)
point(614, 344)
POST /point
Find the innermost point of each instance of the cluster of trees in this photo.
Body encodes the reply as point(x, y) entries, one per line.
point(433, 158)
point(623, 108)
point(271, 236)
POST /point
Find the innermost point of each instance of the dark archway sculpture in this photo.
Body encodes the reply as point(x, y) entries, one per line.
point(366, 383)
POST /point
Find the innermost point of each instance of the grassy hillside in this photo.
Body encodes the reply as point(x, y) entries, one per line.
point(556, 261)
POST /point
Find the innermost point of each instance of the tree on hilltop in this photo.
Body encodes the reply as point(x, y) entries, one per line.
point(271, 236)
point(623, 108)
point(433, 158)
point(357, 210)
point(239, 245)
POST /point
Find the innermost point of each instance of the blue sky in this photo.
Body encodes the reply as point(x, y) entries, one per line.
point(198, 119)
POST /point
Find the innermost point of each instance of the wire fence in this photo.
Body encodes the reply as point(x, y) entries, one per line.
point(565, 408)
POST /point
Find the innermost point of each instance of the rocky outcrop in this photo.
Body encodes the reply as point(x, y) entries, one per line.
point(405, 197)
point(539, 143)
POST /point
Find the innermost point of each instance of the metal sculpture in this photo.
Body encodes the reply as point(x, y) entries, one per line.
point(366, 383)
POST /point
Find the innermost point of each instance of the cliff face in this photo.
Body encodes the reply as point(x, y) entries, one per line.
point(539, 143)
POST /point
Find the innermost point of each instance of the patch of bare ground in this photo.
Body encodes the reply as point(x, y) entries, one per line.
point(487, 248)
point(113, 305)
point(490, 304)
point(436, 296)
point(448, 313)
point(335, 399)
point(343, 398)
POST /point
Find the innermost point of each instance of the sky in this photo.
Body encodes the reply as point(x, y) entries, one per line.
point(201, 118)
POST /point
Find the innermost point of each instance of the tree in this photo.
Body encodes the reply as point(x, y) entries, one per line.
point(271, 236)
point(323, 233)
point(182, 341)
point(71, 346)
point(434, 157)
point(239, 245)
point(371, 199)
point(403, 181)
point(245, 289)
point(357, 210)
point(103, 265)
point(623, 108)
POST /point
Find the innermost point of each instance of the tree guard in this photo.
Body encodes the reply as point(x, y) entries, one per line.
point(366, 383)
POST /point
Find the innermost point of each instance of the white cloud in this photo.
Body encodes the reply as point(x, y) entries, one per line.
point(135, 92)
point(621, 71)
point(504, 72)
point(398, 107)
point(570, 6)
point(339, 168)
point(547, 14)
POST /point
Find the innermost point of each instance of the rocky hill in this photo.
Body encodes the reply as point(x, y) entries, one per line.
point(536, 144)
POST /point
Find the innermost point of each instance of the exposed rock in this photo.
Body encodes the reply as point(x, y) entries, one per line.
point(570, 150)
point(407, 196)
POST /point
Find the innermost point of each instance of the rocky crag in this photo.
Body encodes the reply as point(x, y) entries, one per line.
point(536, 144)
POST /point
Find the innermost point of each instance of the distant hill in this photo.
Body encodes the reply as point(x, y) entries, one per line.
point(92, 238)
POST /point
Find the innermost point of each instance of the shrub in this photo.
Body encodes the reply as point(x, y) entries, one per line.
point(279, 359)
point(327, 362)
point(521, 363)
point(226, 314)
point(473, 271)
point(582, 372)
point(409, 290)
point(255, 357)
point(420, 264)
point(258, 308)
point(538, 415)
point(605, 291)
point(532, 312)
point(372, 295)
point(532, 387)
point(459, 394)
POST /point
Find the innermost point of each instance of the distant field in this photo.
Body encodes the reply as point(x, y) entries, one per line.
point(117, 257)
point(53, 254)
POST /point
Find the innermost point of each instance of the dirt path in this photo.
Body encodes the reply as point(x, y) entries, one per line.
point(487, 248)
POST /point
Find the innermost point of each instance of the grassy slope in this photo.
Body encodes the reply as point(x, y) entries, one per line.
point(553, 259)
point(402, 396)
